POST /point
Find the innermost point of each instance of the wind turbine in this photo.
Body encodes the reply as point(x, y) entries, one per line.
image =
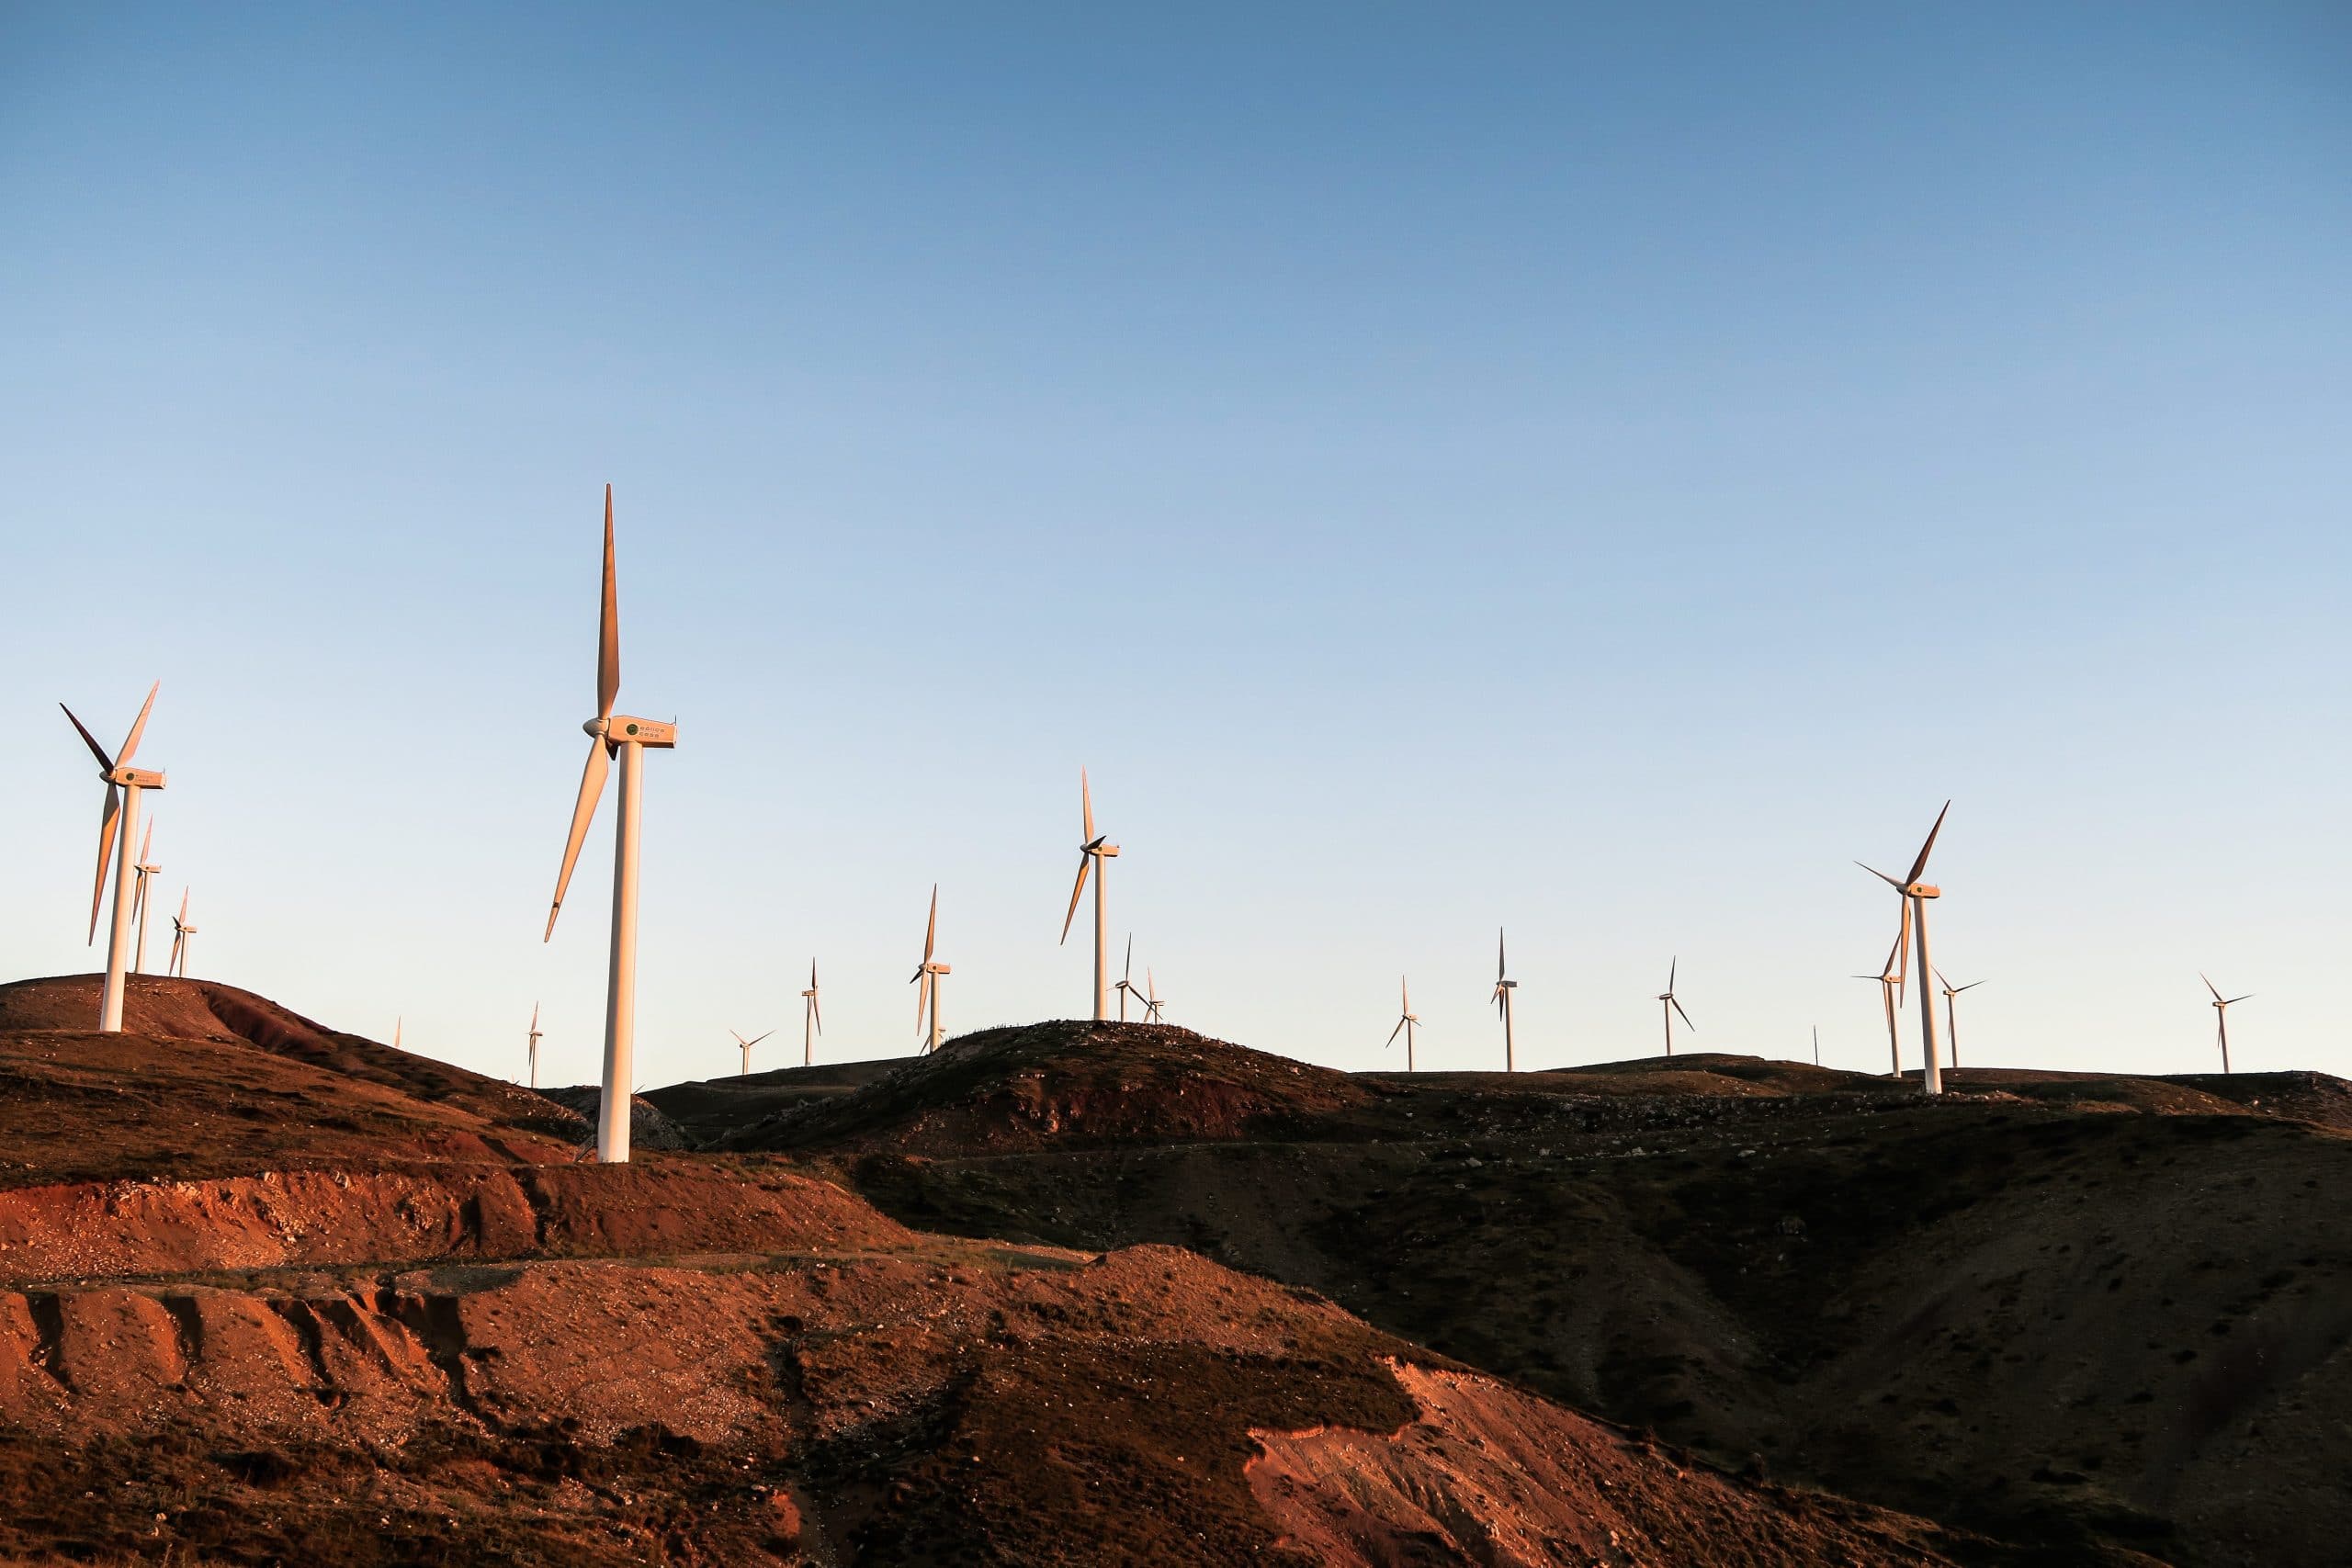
point(1669, 1006)
point(1816, 1044)
point(535, 1044)
point(1916, 895)
point(146, 870)
point(1127, 986)
point(397, 1021)
point(1951, 1018)
point(609, 733)
point(746, 1045)
point(1150, 997)
point(1503, 989)
point(1405, 1023)
point(928, 974)
point(1890, 978)
point(1090, 849)
point(812, 1022)
point(118, 819)
point(181, 931)
point(2222, 1006)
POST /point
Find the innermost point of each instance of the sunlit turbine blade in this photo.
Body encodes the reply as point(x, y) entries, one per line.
point(592, 785)
point(1920, 866)
point(1395, 1033)
point(2235, 1001)
point(1970, 986)
point(608, 626)
point(138, 727)
point(931, 930)
point(923, 995)
point(1500, 968)
point(147, 842)
point(535, 1015)
point(1086, 803)
point(1084, 862)
point(1406, 991)
point(755, 1039)
point(106, 763)
point(110, 809)
point(1686, 1017)
point(2210, 986)
point(1881, 875)
point(1673, 965)
point(1126, 973)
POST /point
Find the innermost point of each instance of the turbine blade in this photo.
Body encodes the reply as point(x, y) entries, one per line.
point(2210, 986)
point(1084, 862)
point(608, 626)
point(147, 842)
point(1394, 1033)
point(1125, 974)
point(1686, 1017)
point(138, 727)
point(923, 995)
point(1971, 985)
point(755, 1039)
point(931, 930)
point(2235, 1001)
point(106, 763)
point(1920, 866)
point(1672, 967)
point(818, 1014)
point(535, 1015)
point(110, 809)
point(1881, 875)
point(592, 785)
point(1086, 803)
point(1501, 968)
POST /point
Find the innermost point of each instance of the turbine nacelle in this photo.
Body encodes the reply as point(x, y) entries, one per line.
point(621, 729)
point(133, 778)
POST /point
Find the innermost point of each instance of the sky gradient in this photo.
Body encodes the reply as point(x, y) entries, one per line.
point(1593, 471)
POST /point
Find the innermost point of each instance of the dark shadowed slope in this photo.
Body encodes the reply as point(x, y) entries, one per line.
point(2093, 1311)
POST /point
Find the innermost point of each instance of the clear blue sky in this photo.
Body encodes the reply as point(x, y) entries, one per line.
point(1598, 470)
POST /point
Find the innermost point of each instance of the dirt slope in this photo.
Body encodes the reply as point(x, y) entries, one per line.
point(274, 1294)
point(2104, 1314)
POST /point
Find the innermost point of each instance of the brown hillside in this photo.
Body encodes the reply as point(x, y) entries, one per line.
point(2099, 1313)
point(259, 1304)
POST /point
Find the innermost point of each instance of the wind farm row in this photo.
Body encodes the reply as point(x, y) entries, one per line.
point(618, 737)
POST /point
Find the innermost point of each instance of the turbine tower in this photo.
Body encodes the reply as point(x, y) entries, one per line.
point(746, 1045)
point(535, 1044)
point(1092, 848)
point(117, 820)
point(812, 1022)
point(609, 733)
point(146, 870)
point(181, 931)
point(1405, 1023)
point(928, 975)
point(1890, 978)
point(1127, 986)
point(2222, 1006)
point(1816, 1044)
point(1916, 895)
point(1951, 1017)
point(1668, 1005)
point(1503, 989)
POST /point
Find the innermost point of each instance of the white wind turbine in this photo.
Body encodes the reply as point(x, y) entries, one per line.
point(1951, 1014)
point(1091, 850)
point(1670, 1005)
point(535, 1044)
point(397, 1018)
point(181, 931)
point(1503, 989)
point(146, 870)
point(927, 975)
point(812, 1021)
point(746, 1045)
point(609, 733)
point(1127, 986)
point(2222, 1006)
point(1405, 1023)
point(1891, 981)
point(1150, 997)
point(117, 820)
point(1916, 895)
